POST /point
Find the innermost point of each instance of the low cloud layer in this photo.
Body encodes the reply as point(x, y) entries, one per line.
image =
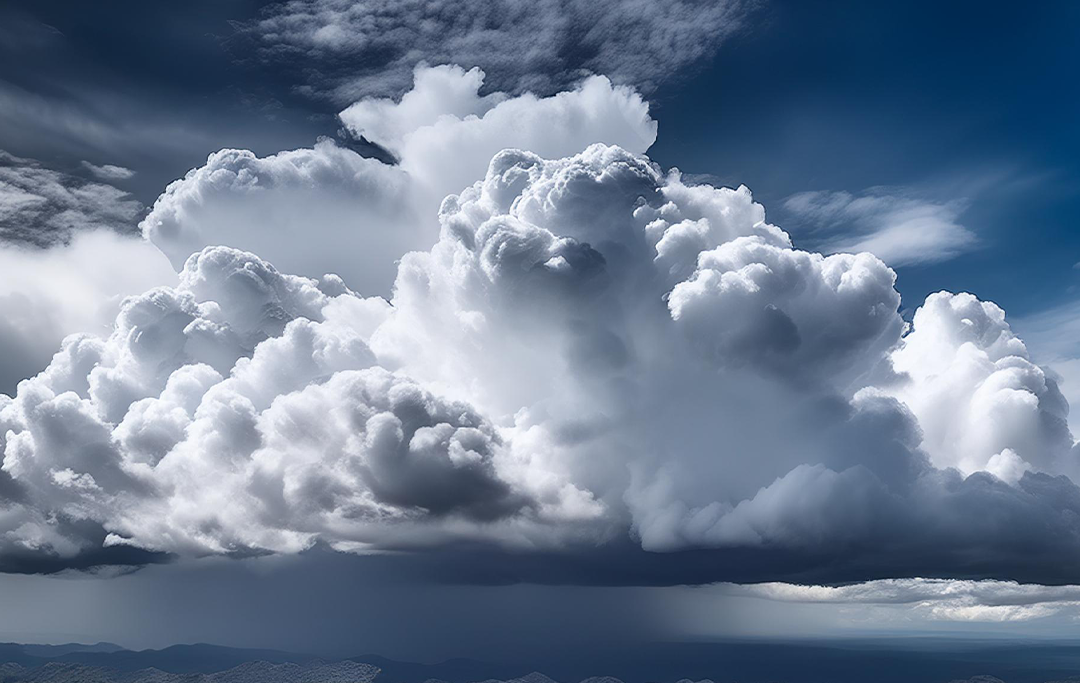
point(346, 50)
point(935, 599)
point(587, 352)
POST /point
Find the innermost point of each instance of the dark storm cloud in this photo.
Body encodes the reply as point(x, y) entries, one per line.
point(27, 559)
point(344, 50)
point(1021, 540)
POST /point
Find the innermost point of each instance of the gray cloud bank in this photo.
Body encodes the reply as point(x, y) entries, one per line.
point(585, 369)
point(41, 207)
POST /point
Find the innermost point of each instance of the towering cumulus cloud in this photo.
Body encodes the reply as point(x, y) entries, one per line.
point(593, 350)
point(311, 211)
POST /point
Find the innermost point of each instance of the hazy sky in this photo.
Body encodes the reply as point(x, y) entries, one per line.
point(558, 394)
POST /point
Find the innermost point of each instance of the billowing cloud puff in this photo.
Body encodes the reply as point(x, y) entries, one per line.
point(291, 205)
point(592, 350)
point(329, 210)
point(242, 411)
point(346, 50)
point(780, 295)
point(445, 133)
point(981, 403)
point(47, 294)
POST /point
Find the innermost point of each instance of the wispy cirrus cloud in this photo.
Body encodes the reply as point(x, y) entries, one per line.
point(344, 50)
point(892, 224)
point(40, 206)
point(108, 172)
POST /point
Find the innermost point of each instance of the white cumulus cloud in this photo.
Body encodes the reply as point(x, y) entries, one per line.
point(327, 209)
point(586, 349)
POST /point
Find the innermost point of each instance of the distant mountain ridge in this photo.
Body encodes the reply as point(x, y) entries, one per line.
point(177, 659)
point(250, 672)
point(725, 663)
point(51, 651)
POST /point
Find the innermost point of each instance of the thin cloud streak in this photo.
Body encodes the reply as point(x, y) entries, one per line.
point(899, 229)
point(936, 599)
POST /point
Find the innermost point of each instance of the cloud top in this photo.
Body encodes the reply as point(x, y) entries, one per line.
point(328, 209)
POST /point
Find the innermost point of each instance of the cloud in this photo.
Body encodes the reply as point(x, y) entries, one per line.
point(592, 360)
point(1052, 336)
point(47, 294)
point(899, 229)
point(108, 171)
point(978, 397)
point(239, 412)
point(41, 207)
point(347, 50)
point(289, 207)
point(935, 599)
point(69, 251)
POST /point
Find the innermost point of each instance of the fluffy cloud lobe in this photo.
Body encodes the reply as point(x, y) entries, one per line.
point(328, 209)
